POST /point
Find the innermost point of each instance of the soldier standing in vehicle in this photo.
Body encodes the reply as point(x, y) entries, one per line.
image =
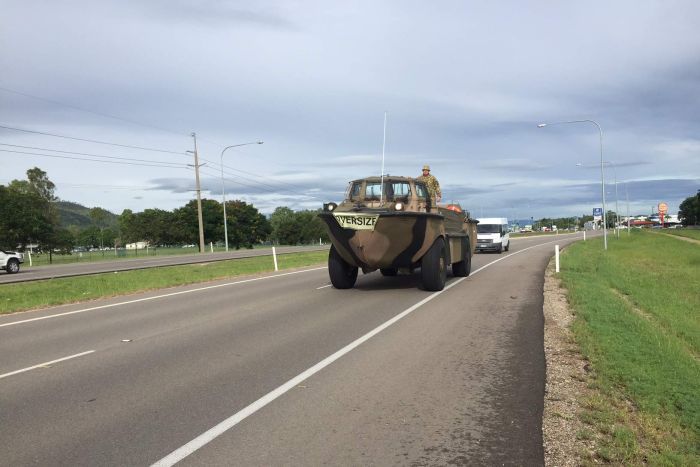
point(431, 183)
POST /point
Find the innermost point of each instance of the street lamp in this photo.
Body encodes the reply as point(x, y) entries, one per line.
point(602, 176)
point(223, 187)
point(617, 210)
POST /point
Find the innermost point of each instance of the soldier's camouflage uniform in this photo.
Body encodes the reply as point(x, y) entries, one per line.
point(433, 186)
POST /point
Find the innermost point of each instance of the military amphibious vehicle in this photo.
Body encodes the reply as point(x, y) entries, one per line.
point(390, 223)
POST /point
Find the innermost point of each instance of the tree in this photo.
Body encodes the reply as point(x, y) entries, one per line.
point(212, 220)
point(293, 228)
point(689, 210)
point(246, 226)
point(99, 219)
point(284, 228)
point(27, 214)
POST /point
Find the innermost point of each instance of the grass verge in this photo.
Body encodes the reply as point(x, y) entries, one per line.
point(688, 233)
point(638, 324)
point(39, 294)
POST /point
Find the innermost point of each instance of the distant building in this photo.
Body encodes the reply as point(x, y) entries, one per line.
point(137, 246)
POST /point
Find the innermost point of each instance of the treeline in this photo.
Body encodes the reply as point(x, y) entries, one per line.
point(28, 216)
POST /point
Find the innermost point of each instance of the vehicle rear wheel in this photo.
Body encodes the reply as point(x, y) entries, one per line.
point(389, 272)
point(508, 246)
point(12, 266)
point(464, 267)
point(434, 267)
point(342, 274)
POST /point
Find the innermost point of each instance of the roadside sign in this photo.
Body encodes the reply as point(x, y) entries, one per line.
point(597, 213)
point(663, 208)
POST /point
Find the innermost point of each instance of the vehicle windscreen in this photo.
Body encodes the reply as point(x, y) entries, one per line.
point(488, 228)
point(392, 191)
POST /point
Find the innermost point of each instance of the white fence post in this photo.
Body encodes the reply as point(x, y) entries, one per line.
point(556, 256)
point(584, 235)
point(274, 258)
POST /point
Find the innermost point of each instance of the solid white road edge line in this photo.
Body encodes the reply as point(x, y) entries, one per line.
point(214, 432)
point(45, 364)
point(159, 296)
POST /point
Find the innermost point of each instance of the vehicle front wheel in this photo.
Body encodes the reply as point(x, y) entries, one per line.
point(434, 267)
point(389, 272)
point(507, 246)
point(12, 266)
point(342, 274)
point(464, 267)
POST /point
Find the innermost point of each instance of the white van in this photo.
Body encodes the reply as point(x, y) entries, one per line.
point(492, 234)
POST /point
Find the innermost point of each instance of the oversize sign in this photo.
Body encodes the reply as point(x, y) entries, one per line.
point(348, 220)
point(597, 213)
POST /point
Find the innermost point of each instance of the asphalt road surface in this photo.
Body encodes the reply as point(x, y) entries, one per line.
point(35, 273)
point(284, 369)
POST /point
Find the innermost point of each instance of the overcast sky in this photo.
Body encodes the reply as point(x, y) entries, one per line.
point(464, 83)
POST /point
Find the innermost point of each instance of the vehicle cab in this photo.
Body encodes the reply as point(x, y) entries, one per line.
point(492, 234)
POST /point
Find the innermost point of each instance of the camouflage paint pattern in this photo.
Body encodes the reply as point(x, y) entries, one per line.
point(399, 238)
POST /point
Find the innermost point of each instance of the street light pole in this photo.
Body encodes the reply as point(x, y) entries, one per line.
point(223, 187)
point(602, 174)
point(617, 210)
point(199, 195)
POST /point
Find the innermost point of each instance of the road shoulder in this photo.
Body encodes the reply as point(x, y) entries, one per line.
point(566, 386)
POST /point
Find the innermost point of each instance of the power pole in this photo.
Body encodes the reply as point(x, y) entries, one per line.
point(199, 195)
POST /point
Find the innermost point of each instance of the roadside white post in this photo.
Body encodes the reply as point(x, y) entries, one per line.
point(556, 256)
point(211, 246)
point(274, 258)
point(29, 253)
point(584, 235)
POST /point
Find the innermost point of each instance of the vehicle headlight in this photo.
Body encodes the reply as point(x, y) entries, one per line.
point(399, 206)
point(329, 206)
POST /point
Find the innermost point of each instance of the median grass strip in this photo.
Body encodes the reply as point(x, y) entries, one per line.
point(40, 294)
point(638, 323)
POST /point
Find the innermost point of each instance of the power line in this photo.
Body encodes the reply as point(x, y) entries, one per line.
point(92, 140)
point(75, 107)
point(91, 155)
point(293, 190)
point(163, 165)
point(271, 189)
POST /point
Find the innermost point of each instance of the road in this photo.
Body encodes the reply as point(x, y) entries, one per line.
point(283, 369)
point(81, 269)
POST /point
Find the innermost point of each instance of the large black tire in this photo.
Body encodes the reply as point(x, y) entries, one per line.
point(343, 275)
point(434, 267)
point(12, 266)
point(464, 267)
point(389, 272)
point(508, 245)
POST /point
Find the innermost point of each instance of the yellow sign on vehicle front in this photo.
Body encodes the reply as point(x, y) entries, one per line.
point(356, 221)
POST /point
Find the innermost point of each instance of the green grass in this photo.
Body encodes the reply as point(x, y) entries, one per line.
point(689, 233)
point(538, 233)
point(638, 323)
point(109, 255)
point(39, 294)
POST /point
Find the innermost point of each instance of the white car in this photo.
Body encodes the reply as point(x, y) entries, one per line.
point(10, 261)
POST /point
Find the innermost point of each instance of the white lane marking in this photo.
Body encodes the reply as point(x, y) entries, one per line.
point(159, 296)
point(216, 431)
point(323, 286)
point(40, 365)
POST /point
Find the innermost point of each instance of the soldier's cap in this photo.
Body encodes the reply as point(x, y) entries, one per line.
point(426, 167)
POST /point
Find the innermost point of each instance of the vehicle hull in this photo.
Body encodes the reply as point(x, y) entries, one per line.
point(398, 240)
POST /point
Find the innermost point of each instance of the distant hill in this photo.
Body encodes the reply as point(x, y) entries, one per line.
point(77, 215)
